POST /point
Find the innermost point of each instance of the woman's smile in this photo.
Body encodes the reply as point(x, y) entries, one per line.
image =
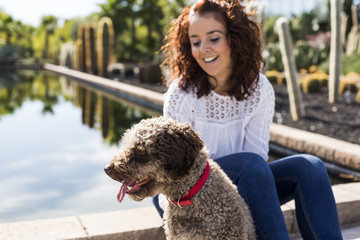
point(210, 59)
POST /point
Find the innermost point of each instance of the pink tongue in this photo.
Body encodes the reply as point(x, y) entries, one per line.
point(122, 192)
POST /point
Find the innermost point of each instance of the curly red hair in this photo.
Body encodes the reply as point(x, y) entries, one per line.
point(244, 38)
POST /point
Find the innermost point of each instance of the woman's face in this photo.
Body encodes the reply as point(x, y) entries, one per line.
point(210, 48)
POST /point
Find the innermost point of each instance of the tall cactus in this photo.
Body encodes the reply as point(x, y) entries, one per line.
point(354, 17)
point(296, 103)
point(335, 51)
point(78, 54)
point(90, 48)
point(105, 45)
point(82, 47)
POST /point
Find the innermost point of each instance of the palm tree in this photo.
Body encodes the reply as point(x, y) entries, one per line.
point(7, 26)
point(49, 25)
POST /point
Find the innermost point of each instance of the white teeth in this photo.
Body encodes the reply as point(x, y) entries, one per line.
point(209, 59)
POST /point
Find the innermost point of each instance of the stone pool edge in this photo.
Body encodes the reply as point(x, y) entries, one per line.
point(145, 223)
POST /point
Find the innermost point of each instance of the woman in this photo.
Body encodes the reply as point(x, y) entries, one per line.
point(214, 52)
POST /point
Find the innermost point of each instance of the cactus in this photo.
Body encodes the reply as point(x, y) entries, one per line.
point(90, 48)
point(323, 78)
point(82, 51)
point(78, 54)
point(352, 45)
point(311, 84)
point(335, 51)
point(357, 97)
point(296, 103)
point(105, 45)
point(150, 73)
point(272, 76)
point(343, 37)
point(349, 82)
point(354, 17)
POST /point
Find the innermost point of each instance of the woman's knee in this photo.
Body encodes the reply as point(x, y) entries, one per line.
point(310, 162)
point(310, 165)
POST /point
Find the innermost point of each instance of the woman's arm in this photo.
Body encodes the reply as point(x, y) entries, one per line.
point(257, 130)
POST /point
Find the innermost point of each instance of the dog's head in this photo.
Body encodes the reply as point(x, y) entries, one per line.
point(157, 151)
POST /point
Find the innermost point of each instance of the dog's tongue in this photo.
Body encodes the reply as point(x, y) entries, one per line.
point(134, 186)
point(122, 191)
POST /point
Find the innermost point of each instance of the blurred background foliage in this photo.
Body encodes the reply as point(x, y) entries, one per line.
point(140, 27)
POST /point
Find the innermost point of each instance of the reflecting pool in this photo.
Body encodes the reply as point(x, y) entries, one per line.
point(55, 138)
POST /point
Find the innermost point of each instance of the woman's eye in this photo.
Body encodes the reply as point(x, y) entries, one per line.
point(196, 44)
point(214, 39)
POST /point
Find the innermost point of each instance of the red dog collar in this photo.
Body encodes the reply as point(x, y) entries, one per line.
point(185, 200)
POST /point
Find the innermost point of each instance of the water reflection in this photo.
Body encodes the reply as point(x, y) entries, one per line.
point(55, 138)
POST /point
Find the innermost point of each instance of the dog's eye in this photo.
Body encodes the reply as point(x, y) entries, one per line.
point(141, 157)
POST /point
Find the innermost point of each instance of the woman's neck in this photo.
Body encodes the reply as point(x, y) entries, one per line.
point(221, 86)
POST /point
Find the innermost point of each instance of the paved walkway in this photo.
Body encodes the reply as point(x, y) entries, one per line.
point(351, 233)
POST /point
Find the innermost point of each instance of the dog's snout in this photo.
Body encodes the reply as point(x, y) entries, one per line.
point(109, 169)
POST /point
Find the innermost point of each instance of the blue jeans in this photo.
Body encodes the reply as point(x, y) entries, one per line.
point(265, 186)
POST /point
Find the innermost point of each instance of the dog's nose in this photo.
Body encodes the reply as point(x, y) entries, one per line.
point(109, 169)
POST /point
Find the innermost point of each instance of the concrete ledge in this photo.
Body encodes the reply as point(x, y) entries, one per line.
point(330, 149)
point(137, 224)
point(47, 229)
point(145, 223)
point(136, 94)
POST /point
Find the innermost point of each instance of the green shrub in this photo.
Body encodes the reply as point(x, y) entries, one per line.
point(269, 31)
point(306, 56)
point(275, 60)
point(351, 64)
point(324, 66)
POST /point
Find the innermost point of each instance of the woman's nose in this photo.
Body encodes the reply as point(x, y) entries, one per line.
point(204, 47)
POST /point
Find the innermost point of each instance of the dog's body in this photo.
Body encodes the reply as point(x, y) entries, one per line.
point(163, 156)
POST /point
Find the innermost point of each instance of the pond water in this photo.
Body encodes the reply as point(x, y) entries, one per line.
point(55, 138)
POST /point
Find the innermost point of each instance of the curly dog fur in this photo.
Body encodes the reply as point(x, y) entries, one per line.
point(167, 157)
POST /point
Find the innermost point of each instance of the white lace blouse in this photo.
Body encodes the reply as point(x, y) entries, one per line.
point(226, 125)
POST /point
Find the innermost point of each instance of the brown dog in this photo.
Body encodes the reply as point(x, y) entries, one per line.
point(167, 157)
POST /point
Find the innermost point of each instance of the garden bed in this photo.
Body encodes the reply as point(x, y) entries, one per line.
point(340, 120)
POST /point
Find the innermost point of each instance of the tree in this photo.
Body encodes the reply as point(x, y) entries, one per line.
point(134, 18)
point(7, 27)
point(49, 25)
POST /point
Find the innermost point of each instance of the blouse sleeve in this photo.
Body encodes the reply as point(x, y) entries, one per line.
point(257, 131)
point(178, 104)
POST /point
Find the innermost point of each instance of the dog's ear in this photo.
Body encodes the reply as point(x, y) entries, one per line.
point(178, 147)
